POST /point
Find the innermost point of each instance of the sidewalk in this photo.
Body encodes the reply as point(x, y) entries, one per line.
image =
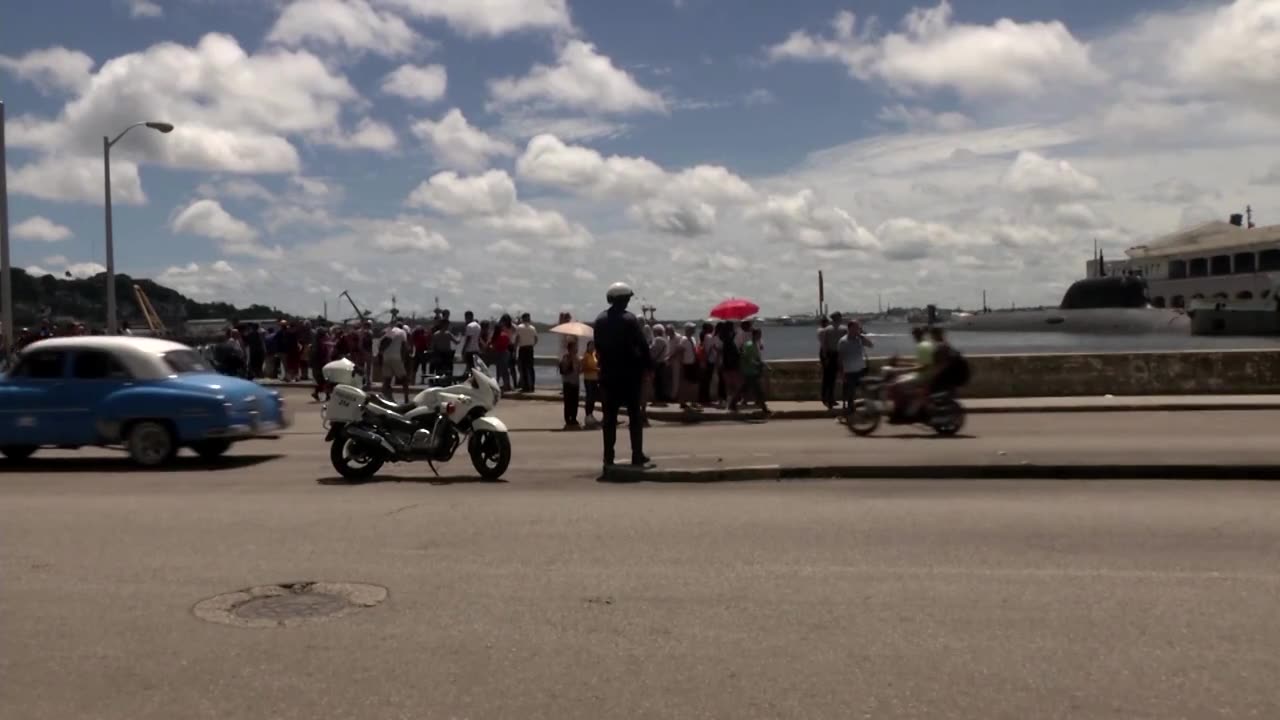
point(977, 406)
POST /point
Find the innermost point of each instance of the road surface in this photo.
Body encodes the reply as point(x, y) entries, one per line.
point(553, 596)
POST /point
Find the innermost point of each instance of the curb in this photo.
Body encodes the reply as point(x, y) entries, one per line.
point(623, 474)
point(538, 395)
point(695, 418)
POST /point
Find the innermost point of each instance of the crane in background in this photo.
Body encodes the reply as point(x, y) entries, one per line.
point(154, 323)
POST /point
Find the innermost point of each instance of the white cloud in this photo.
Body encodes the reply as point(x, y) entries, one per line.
point(350, 24)
point(1050, 181)
point(490, 201)
point(547, 226)
point(549, 161)
point(802, 219)
point(1236, 54)
point(584, 275)
point(759, 96)
point(509, 248)
point(919, 118)
point(458, 144)
point(145, 9)
point(678, 203)
point(909, 239)
point(1270, 177)
point(525, 123)
point(492, 193)
point(406, 237)
point(233, 111)
point(207, 218)
point(490, 18)
point(369, 134)
point(426, 83)
point(933, 52)
point(77, 179)
point(53, 70)
point(582, 79)
point(214, 281)
point(42, 229)
point(236, 188)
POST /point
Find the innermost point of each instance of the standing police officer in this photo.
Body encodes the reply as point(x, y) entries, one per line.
point(624, 357)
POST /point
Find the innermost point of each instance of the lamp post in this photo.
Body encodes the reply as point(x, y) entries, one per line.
point(7, 339)
point(163, 127)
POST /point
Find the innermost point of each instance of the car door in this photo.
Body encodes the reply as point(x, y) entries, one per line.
point(94, 375)
point(32, 407)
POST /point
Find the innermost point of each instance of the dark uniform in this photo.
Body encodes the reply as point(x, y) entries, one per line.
point(624, 358)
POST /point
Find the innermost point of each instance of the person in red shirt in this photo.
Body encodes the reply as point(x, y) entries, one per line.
point(421, 352)
point(500, 346)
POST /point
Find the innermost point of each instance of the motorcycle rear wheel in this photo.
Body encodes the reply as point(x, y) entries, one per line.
point(490, 453)
point(352, 461)
point(948, 418)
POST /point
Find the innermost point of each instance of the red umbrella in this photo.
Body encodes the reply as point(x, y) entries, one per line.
point(735, 309)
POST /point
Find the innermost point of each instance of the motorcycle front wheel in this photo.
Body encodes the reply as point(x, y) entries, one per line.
point(865, 417)
point(352, 460)
point(490, 453)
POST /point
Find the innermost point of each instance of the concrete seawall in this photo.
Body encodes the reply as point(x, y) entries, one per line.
point(1067, 375)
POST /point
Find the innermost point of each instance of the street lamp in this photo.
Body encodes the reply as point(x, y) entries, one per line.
point(162, 127)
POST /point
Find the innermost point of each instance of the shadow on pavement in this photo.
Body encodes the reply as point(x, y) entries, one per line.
point(124, 465)
point(420, 479)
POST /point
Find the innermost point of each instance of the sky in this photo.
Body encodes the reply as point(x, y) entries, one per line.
point(524, 154)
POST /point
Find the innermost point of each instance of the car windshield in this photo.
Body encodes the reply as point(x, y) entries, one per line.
point(185, 361)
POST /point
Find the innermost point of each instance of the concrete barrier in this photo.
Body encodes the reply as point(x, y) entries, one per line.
point(1219, 372)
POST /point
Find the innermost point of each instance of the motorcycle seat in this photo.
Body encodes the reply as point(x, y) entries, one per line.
point(389, 405)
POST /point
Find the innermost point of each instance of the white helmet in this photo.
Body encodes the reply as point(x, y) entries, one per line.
point(618, 291)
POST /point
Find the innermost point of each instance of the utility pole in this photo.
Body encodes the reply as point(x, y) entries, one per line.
point(7, 339)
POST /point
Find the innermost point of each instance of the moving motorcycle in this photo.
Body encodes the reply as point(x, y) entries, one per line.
point(367, 431)
point(872, 404)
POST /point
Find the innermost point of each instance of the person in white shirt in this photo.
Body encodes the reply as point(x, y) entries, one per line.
point(526, 338)
point(392, 348)
point(470, 340)
point(690, 374)
point(660, 352)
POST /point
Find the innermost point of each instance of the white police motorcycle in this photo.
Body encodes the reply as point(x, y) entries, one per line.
point(366, 431)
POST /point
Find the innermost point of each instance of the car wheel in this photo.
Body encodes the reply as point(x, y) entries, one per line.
point(211, 449)
point(150, 443)
point(17, 453)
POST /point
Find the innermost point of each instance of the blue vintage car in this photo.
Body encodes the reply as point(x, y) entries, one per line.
point(148, 395)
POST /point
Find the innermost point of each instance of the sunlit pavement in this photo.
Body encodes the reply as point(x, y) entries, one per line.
point(554, 596)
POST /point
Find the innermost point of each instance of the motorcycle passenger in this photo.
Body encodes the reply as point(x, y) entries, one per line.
point(950, 369)
point(624, 358)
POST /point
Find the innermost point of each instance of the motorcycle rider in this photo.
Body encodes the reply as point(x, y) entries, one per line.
point(624, 357)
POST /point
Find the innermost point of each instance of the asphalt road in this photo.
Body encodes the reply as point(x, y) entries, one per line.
point(553, 596)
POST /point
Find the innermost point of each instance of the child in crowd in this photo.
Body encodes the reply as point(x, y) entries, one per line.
point(591, 379)
point(570, 378)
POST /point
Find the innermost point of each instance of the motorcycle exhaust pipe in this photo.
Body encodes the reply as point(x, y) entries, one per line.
point(371, 439)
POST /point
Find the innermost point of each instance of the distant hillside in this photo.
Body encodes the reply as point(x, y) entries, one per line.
point(65, 300)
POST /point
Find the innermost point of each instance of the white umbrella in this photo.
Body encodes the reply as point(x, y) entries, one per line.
point(574, 329)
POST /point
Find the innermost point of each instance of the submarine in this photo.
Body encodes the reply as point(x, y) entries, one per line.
point(1117, 304)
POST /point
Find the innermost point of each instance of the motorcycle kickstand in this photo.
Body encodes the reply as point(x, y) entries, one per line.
point(433, 468)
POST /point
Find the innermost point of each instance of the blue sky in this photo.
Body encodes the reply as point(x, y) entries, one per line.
point(696, 148)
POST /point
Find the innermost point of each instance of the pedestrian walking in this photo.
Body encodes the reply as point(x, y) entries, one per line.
point(753, 369)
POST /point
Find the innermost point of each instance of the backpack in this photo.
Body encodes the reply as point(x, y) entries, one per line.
point(959, 370)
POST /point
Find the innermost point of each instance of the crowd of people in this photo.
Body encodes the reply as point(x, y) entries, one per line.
point(721, 364)
point(396, 354)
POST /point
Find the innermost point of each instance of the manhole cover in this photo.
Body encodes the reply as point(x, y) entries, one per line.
point(289, 604)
